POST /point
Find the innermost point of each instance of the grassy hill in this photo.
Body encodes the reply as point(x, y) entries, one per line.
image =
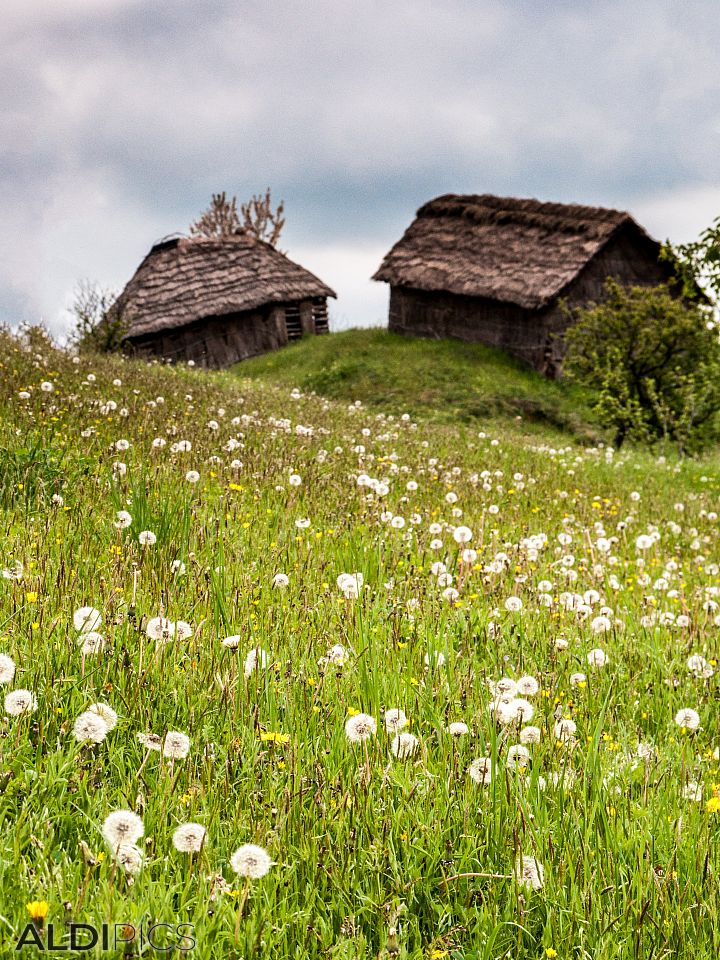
point(444, 380)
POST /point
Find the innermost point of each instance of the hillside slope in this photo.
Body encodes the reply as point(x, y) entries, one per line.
point(436, 379)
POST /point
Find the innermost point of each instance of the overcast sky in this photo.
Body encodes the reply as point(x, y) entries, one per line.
point(119, 118)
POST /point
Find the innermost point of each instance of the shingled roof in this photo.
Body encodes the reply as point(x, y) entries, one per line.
point(519, 251)
point(187, 278)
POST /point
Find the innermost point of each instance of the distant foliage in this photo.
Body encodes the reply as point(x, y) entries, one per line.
point(698, 264)
point(257, 218)
point(97, 326)
point(653, 361)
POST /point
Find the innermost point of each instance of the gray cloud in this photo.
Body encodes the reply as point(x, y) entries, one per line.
point(120, 117)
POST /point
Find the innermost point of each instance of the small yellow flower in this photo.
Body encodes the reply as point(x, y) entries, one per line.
point(31, 597)
point(550, 953)
point(38, 909)
point(713, 805)
point(100, 857)
point(268, 736)
point(234, 486)
point(352, 712)
point(438, 954)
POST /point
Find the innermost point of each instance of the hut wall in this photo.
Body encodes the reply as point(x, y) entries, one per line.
point(626, 258)
point(216, 342)
point(475, 319)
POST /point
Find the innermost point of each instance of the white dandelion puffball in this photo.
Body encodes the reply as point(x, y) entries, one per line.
point(147, 538)
point(597, 658)
point(462, 534)
point(530, 735)
point(122, 827)
point(458, 728)
point(529, 872)
point(18, 702)
point(257, 659)
point(518, 757)
point(90, 727)
point(251, 861)
point(337, 655)
point(404, 745)
point(106, 713)
point(565, 730)
point(280, 580)
point(91, 643)
point(129, 858)
point(189, 837)
point(350, 584)
point(87, 619)
point(160, 628)
point(686, 718)
point(360, 727)
point(151, 741)
point(527, 686)
point(480, 770)
point(122, 519)
point(395, 720)
point(513, 604)
point(7, 668)
point(176, 745)
point(183, 630)
point(192, 476)
point(436, 659)
point(233, 642)
point(697, 665)
point(577, 678)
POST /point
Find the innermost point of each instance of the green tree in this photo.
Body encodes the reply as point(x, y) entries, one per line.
point(98, 323)
point(697, 264)
point(652, 360)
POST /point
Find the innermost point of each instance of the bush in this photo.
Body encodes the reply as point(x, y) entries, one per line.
point(653, 361)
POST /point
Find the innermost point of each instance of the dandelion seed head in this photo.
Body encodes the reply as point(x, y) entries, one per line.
point(251, 861)
point(189, 837)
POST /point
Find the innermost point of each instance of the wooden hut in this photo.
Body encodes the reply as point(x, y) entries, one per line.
point(220, 300)
point(493, 269)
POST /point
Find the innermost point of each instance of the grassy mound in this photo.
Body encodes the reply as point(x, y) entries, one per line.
point(443, 380)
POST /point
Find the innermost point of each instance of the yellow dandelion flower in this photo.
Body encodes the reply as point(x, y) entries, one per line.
point(38, 909)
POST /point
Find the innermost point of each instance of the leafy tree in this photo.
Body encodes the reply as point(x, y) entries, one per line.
point(256, 218)
point(99, 325)
point(653, 361)
point(698, 264)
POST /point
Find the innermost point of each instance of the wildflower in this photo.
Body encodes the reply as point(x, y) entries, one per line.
point(565, 730)
point(529, 872)
point(713, 805)
point(38, 910)
point(189, 837)
point(527, 686)
point(699, 667)
point(480, 770)
point(280, 580)
point(518, 757)
point(530, 735)
point(395, 720)
point(251, 861)
point(90, 727)
point(577, 679)
point(597, 658)
point(404, 745)
point(436, 659)
point(350, 584)
point(183, 630)
point(687, 719)
point(337, 655)
point(159, 628)
point(122, 827)
point(21, 701)
point(122, 519)
point(7, 668)
point(360, 727)
point(256, 659)
point(513, 604)
point(233, 642)
point(128, 857)
point(106, 713)
point(176, 745)
point(152, 741)
point(91, 643)
point(462, 534)
point(147, 538)
point(458, 728)
point(601, 625)
point(87, 619)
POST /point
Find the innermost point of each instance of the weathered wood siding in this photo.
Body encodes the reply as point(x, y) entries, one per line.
point(216, 342)
point(429, 314)
point(534, 336)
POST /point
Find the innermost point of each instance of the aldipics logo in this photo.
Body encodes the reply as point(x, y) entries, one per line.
point(165, 938)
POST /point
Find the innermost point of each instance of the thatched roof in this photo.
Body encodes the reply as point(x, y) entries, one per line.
point(185, 279)
point(520, 251)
